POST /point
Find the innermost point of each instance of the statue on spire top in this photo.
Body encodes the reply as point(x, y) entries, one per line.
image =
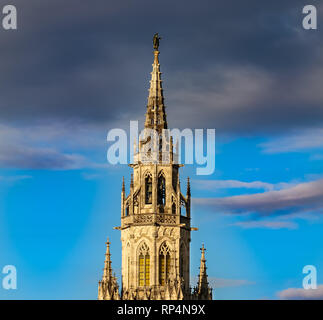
point(156, 41)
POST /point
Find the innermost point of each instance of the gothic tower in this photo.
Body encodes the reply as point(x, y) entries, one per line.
point(155, 217)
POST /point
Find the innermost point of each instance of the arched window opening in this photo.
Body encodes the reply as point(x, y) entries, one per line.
point(148, 189)
point(127, 209)
point(161, 196)
point(173, 208)
point(174, 181)
point(144, 266)
point(164, 264)
point(183, 208)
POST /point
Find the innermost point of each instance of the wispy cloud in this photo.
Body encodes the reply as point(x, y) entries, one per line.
point(301, 294)
point(265, 224)
point(21, 157)
point(232, 184)
point(43, 147)
point(295, 142)
point(301, 198)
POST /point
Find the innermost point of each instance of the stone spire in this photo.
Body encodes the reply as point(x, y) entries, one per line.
point(156, 115)
point(203, 290)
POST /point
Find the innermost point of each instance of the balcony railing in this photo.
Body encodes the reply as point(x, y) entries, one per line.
point(161, 218)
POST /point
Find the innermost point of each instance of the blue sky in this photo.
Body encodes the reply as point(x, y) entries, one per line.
point(55, 224)
point(254, 75)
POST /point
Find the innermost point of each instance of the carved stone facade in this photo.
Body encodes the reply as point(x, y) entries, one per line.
point(155, 221)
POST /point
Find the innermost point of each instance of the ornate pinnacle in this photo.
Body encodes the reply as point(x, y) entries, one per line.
point(203, 252)
point(123, 186)
point(188, 191)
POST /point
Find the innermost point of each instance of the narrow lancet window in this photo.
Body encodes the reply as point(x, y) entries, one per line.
point(148, 189)
point(161, 196)
point(144, 266)
point(173, 208)
point(164, 264)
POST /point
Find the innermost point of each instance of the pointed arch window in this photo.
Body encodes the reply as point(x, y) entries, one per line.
point(144, 265)
point(164, 264)
point(183, 205)
point(161, 196)
point(148, 189)
point(173, 208)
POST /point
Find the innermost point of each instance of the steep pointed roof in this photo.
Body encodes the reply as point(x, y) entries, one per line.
point(156, 115)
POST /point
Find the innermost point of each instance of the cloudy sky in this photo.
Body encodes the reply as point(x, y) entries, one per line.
point(74, 70)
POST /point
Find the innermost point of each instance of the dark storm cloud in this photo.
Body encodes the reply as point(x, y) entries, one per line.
point(237, 66)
